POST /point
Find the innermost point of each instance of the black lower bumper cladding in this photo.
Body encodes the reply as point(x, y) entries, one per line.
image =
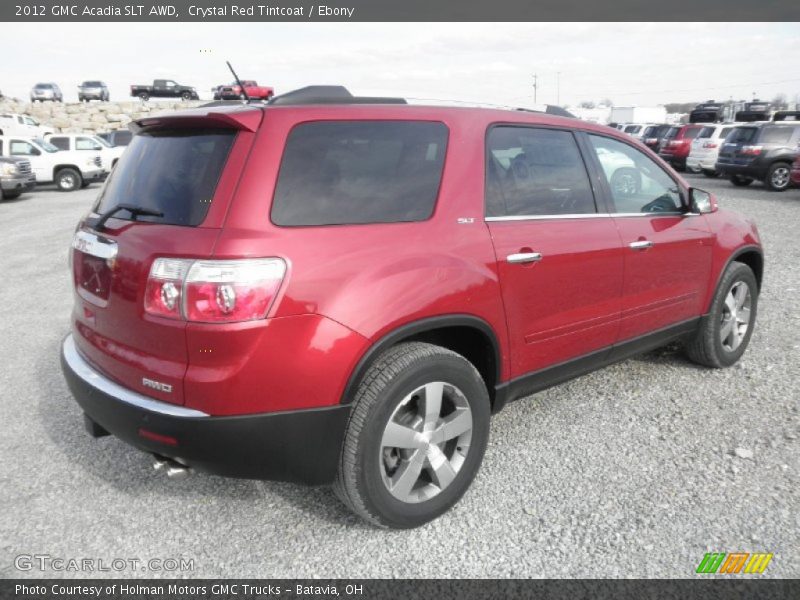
point(299, 446)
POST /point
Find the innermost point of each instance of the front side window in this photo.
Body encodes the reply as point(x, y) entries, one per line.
point(19, 148)
point(355, 172)
point(637, 183)
point(535, 172)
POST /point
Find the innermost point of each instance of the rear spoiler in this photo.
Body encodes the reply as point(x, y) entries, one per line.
point(243, 117)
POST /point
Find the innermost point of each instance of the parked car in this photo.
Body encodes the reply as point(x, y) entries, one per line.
point(68, 170)
point(705, 148)
point(760, 151)
point(93, 90)
point(708, 112)
point(795, 175)
point(164, 88)
point(46, 91)
point(654, 136)
point(676, 144)
point(786, 115)
point(16, 176)
point(234, 91)
point(16, 124)
point(85, 142)
point(214, 327)
point(121, 137)
point(754, 111)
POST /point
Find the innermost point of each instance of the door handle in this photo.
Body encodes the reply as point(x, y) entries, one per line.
point(524, 257)
point(641, 245)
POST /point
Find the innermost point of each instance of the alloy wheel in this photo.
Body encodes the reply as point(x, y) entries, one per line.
point(780, 177)
point(735, 319)
point(425, 442)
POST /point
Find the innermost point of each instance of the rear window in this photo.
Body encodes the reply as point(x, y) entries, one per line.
point(691, 133)
point(169, 171)
point(355, 172)
point(92, 84)
point(671, 133)
point(776, 135)
point(706, 132)
point(741, 135)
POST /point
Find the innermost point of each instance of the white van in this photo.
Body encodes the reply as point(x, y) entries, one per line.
point(88, 142)
point(68, 170)
point(15, 124)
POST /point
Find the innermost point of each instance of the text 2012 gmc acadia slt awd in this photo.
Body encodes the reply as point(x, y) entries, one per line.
point(344, 291)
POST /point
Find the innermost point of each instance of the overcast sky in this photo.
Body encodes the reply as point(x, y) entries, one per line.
point(630, 63)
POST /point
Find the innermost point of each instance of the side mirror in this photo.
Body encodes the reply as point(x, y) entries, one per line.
point(701, 201)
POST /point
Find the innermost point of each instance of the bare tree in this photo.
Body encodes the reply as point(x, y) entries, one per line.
point(779, 102)
point(586, 104)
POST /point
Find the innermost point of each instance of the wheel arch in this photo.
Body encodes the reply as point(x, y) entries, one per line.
point(468, 335)
point(752, 256)
point(57, 168)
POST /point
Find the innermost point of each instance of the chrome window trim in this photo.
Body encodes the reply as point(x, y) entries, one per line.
point(85, 371)
point(585, 216)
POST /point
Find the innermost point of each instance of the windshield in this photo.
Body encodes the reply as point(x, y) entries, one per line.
point(92, 84)
point(44, 86)
point(46, 146)
point(101, 141)
point(30, 121)
point(174, 172)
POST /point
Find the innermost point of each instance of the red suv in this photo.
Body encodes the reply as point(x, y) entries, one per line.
point(344, 292)
point(677, 144)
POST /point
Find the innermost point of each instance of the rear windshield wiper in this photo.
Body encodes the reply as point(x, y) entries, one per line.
point(136, 211)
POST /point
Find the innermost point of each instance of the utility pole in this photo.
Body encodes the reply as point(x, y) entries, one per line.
point(535, 80)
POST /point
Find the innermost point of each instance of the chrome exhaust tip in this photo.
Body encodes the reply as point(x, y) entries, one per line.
point(176, 471)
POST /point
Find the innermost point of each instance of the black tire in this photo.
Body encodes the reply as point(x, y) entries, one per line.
point(740, 181)
point(68, 179)
point(778, 177)
point(85, 184)
point(393, 376)
point(186, 96)
point(144, 96)
point(706, 348)
point(710, 173)
point(10, 195)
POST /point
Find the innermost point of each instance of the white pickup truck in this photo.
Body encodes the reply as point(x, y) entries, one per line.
point(68, 170)
point(15, 124)
point(87, 142)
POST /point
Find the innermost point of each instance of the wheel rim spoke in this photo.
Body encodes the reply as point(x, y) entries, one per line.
point(399, 436)
point(432, 405)
point(442, 471)
point(453, 426)
point(727, 329)
point(408, 474)
point(730, 301)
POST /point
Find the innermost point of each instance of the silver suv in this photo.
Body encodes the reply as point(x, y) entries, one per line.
point(46, 91)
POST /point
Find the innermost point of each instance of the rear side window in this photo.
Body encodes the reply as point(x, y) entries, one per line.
point(174, 172)
point(535, 172)
point(61, 143)
point(355, 172)
point(776, 135)
point(691, 133)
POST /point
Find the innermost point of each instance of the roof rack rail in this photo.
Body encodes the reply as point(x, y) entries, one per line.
point(328, 94)
point(551, 109)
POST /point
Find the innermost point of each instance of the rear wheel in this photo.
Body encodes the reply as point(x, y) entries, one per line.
point(778, 177)
point(186, 96)
point(740, 181)
point(725, 332)
point(416, 436)
point(710, 173)
point(68, 179)
point(144, 96)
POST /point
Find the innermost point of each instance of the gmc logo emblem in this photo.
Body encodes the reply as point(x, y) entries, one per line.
point(157, 385)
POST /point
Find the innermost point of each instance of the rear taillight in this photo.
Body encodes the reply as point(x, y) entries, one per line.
point(213, 291)
point(651, 141)
point(751, 150)
point(710, 145)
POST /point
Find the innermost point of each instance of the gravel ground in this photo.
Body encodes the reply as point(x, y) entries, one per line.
point(633, 471)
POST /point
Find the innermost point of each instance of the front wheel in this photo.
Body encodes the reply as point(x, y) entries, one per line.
point(725, 332)
point(68, 179)
point(778, 177)
point(186, 96)
point(416, 436)
point(10, 195)
point(144, 96)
